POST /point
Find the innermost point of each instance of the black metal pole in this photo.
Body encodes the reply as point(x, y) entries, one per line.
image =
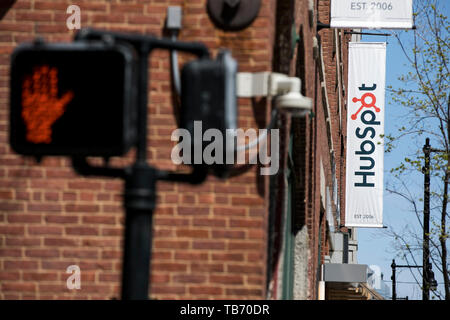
point(143, 102)
point(394, 267)
point(140, 179)
point(394, 289)
point(136, 259)
point(426, 221)
point(139, 201)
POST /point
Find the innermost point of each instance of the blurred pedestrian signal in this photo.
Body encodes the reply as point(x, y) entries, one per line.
point(72, 99)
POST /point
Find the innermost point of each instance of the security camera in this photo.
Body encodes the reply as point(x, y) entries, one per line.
point(288, 97)
point(294, 103)
point(285, 89)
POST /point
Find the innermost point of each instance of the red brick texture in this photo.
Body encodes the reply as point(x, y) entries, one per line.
point(312, 145)
point(210, 241)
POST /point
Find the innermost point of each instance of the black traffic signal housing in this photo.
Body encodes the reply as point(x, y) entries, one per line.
point(73, 99)
point(208, 94)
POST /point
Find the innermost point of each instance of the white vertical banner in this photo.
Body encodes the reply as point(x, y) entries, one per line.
point(365, 130)
point(379, 14)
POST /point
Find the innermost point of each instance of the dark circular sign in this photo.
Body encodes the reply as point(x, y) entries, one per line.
point(233, 15)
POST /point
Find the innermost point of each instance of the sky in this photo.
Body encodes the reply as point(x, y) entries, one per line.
point(374, 246)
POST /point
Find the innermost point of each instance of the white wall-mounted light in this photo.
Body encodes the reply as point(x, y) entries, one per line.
point(285, 89)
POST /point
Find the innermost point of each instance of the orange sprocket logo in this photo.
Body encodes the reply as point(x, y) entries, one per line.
point(41, 104)
point(365, 104)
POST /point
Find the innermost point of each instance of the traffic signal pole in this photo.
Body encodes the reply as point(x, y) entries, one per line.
point(139, 202)
point(426, 221)
point(393, 277)
point(140, 178)
point(429, 282)
point(394, 281)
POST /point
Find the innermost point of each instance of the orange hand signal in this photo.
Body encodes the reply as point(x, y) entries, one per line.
point(41, 106)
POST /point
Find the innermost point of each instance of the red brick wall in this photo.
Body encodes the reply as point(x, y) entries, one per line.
point(339, 121)
point(209, 240)
point(311, 143)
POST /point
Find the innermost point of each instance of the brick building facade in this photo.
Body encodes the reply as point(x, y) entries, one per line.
point(247, 237)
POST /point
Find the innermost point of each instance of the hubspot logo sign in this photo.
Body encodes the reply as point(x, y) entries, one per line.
point(366, 133)
point(365, 104)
